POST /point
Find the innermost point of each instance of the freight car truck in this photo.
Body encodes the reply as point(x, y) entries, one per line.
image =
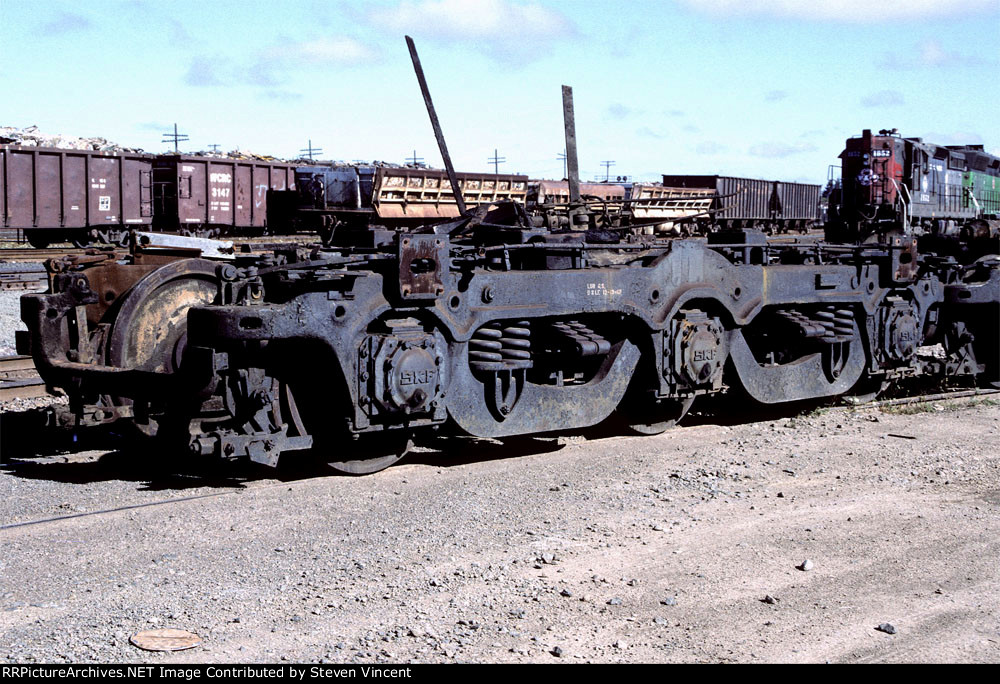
point(56, 195)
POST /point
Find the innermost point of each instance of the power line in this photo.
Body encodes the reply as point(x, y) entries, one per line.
point(415, 160)
point(310, 151)
point(175, 137)
point(607, 167)
point(497, 161)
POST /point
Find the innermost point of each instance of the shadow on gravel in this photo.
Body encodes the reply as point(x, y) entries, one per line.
point(32, 450)
point(724, 410)
point(448, 452)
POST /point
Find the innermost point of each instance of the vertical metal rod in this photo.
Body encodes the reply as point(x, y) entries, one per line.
point(572, 167)
point(457, 191)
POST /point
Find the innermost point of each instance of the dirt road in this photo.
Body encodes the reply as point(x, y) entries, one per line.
point(681, 547)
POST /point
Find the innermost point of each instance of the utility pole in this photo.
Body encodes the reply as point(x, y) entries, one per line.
point(310, 151)
point(562, 157)
point(415, 160)
point(214, 147)
point(497, 161)
point(175, 137)
point(607, 167)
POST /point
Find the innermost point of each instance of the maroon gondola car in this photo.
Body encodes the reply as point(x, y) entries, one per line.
point(55, 194)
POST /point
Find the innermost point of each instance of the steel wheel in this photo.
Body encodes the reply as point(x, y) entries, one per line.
point(39, 239)
point(149, 329)
point(312, 407)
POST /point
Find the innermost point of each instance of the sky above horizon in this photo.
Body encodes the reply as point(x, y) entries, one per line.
point(759, 88)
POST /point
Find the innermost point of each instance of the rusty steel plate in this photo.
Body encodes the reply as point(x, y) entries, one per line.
point(165, 640)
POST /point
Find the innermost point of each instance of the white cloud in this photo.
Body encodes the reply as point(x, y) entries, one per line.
point(954, 138)
point(847, 11)
point(273, 66)
point(208, 72)
point(333, 50)
point(502, 28)
point(930, 53)
point(777, 150)
point(647, 132)
point(66, 22)
point(883, 98)
point(710, 147)
point(617, 110)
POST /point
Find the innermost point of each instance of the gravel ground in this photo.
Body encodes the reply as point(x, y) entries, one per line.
point(685, 547)
point(10, 319)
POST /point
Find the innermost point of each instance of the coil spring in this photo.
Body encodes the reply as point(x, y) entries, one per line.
point(839, 324)
point(501, 345)
point(828, 325)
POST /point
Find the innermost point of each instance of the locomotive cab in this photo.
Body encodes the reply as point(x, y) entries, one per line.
point(895, 186)
point(874, 185)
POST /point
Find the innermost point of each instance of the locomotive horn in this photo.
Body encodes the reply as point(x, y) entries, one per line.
point(436, 125)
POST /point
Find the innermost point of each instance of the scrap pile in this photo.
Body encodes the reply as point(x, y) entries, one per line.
point(31, 137)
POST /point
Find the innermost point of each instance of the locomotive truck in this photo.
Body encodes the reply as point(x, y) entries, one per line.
point(499, 322)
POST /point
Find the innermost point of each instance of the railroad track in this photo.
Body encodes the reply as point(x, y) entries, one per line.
point(19, 379)
point(22, 276)
point(38, 255)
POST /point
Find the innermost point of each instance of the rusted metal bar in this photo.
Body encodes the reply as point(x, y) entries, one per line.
point(943, 396)
point(436, 125)
point(572, 164)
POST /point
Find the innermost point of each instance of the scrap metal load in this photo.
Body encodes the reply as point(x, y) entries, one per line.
point(695, 205)
point(89, 196)
point(499, 322)
point(392, 196)
point(771, 206)
point(84, 196)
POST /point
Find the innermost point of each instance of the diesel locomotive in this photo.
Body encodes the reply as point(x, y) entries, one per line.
point(500, 322)
point(896, 185)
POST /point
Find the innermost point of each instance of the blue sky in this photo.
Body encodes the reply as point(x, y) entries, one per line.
point(762, 88)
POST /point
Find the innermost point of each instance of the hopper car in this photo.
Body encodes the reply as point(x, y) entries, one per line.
point(771, 206)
